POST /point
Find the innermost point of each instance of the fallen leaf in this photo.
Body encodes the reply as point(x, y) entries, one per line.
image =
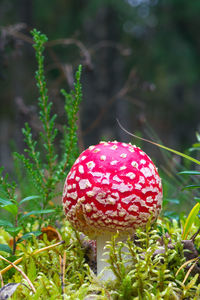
point(52, 234)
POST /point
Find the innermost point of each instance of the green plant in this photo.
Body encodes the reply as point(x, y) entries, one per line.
point(150, 265)
point(17, 220)
point(44, 163)
point(195, 210)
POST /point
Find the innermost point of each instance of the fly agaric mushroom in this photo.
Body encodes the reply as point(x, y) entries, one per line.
point(111, 187)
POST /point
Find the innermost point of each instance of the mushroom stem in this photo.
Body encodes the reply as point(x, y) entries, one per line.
point(106, 274)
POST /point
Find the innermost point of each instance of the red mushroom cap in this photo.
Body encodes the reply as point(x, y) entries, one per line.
point(112, 186)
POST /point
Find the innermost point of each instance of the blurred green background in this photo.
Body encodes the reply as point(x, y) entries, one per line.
point(140, 64)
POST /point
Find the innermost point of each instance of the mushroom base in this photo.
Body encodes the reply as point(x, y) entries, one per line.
point(103, 254)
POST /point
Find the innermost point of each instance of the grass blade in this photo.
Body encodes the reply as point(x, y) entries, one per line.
point(190, 220)
point(28, 199)
point(190, 172)
point(187, 263)
point(161, 146)
point(191, 186)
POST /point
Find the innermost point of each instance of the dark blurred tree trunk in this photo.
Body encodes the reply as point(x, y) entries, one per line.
point(103, 82)
point(25, 11)
point(12, 120)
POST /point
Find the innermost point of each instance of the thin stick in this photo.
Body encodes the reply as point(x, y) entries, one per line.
point(64, 262)
point(1, 278)
point(190, 270)
point(195, 235)
point(83, 50)
point(62, 272)
point(22, 273)
point(48, 247)
point(16, 262)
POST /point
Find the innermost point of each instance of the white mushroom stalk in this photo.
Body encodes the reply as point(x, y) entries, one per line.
point(103, 268)
point(111, 187)
point(101, 257)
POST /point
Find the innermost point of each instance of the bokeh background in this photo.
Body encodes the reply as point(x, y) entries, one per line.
point(141, 65)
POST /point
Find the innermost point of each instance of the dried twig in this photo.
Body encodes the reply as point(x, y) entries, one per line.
point(71, 41)
point(15, 32)
point(1, 279)
point(195, 235)
point(16, 262)
point(62, 272)
point(22, 273)
point(110, 44)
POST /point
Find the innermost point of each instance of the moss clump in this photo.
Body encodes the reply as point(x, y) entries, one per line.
point(145, 267)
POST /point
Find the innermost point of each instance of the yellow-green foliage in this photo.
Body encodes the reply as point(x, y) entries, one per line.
point(145, 267)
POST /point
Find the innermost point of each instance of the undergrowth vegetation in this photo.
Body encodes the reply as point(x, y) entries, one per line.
point(43, 257)
point(146, 267)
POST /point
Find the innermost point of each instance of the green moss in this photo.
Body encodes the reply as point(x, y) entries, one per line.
point(145, 267)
